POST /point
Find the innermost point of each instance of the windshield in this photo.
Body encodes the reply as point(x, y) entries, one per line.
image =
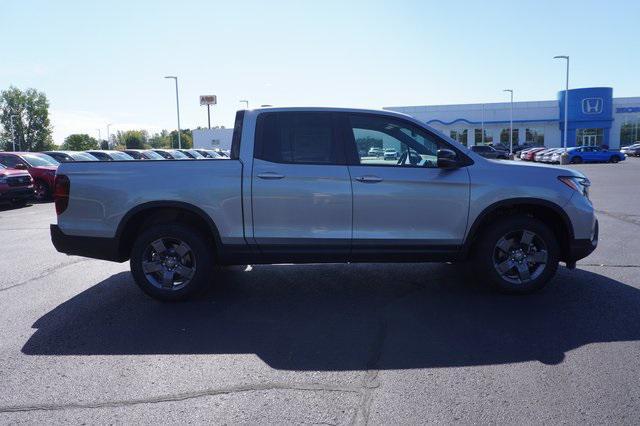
point(39, 160)
point(81, 156)
point(120, 156)
point(152, 155)
point(177, 154)
point(195, 153)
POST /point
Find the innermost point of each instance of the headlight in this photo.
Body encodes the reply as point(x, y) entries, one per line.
point(580, 184)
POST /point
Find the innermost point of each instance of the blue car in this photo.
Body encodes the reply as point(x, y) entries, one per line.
point(593, 154)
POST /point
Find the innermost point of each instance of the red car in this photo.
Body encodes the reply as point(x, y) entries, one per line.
point(16, 186)
point(528, 156)
point(41, 167)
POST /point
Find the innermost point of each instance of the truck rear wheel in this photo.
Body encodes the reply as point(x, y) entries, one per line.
point(171, 262)
point(518, 254)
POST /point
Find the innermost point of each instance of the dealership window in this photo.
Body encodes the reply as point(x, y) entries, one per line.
point(630, 131)
point(589, 137)
point(459, 135)
point(504, 136)
point(535, 136)
point(479, 140)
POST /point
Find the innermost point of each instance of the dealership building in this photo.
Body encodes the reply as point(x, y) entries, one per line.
point(595, 118)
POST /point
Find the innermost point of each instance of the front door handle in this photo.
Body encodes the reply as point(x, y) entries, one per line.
point(369, 179)
point(270, 175)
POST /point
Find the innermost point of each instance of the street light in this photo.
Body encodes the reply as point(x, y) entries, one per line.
point(177, 108)
point(245, 102)
point(510, 122)
point(108, 135)
point(566, 100)
point(13, 134)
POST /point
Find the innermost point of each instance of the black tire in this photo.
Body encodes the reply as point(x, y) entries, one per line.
point(488, 256)
point(18, 203)
point(41, 191)
point(614, 159)
point(176, 238)
point(576, 160)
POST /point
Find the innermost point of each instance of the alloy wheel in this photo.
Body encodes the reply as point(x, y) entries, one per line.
point(40, 191)
point(169, 264)
point(520, 257)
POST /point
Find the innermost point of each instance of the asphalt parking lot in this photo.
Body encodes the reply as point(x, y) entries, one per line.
point(332, 344)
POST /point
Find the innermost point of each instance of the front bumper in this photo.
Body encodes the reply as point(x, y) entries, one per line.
point(94, 247)
point(22, 193)
point(581, 248)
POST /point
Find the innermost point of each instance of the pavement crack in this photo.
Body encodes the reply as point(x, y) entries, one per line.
point(606, 265)
point(370, 381)
point(308, 387)
point(628, 218)
point(45, 272)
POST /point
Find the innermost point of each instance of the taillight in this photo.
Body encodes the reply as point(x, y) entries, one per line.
point(61, 193)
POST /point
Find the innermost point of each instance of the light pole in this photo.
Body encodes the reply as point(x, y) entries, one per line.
point(177, 107)
point(13, 134)
point(245, 102)
point(108, 135)
point(99, 137)
point(482, 130)
point(566, 100)
point(510, 122)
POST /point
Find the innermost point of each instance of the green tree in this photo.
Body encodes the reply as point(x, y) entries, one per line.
point(32, 127)
point(79, 142)
point(160, 140)
point(186, 139)
point(133, 139)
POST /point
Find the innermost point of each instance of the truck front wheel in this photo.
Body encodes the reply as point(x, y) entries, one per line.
point(171, 262)
point(517, 254)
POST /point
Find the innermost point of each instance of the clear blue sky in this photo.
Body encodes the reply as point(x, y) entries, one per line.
point(104, 61)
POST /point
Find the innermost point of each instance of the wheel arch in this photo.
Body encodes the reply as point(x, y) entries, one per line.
point(548, 212)
point(154, 212)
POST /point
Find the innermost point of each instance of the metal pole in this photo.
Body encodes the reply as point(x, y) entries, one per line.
point(566, 101)
point(510, 122)
point(99, 137)
point(511, 127)
point(482, 135)
point(13, 134)
point(108, 135)
point(177, 108)
point(208, 116)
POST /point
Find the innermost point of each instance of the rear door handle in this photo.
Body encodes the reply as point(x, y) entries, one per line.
point(270, 175)
point(369, 179)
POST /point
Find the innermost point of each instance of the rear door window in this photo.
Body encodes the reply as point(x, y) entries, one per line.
point(298, 138)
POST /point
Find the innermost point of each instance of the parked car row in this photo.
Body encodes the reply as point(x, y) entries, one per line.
point(631, 150)
point(574, 155)
point(27, 175)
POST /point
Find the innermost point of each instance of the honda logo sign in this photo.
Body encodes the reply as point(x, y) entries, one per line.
point(592, 105)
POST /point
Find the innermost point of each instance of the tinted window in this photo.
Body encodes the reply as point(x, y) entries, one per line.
point(10, 160)
point(297, 137)
point(237, 135)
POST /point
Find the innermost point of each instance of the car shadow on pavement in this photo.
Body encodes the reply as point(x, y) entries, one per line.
point(347, 317)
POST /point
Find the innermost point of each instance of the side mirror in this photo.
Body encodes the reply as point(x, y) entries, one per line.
point(447, 159)
point(20, 166)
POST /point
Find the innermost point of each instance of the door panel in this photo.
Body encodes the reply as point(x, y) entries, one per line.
point(410, 206)
point(301, 188)
point(304, 204)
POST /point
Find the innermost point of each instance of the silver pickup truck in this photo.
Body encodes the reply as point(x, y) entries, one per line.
point(301, 187)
